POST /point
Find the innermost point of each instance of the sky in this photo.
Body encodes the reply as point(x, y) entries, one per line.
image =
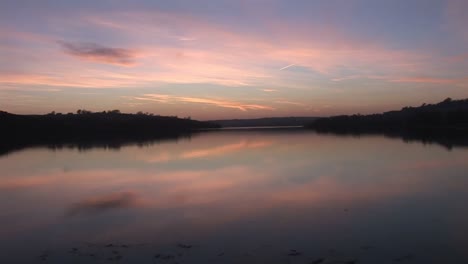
point(219, 59)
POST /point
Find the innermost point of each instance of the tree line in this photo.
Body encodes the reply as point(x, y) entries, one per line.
point(86, 124)
point(446, 116)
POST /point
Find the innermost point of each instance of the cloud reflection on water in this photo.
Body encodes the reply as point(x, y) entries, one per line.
point(104, 203)
point(251, 185)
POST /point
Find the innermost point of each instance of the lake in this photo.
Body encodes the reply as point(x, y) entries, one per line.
point(240, 196)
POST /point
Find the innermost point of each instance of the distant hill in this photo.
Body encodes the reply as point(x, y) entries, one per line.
point(448, 116)
point(268, 121)
point(86, 125)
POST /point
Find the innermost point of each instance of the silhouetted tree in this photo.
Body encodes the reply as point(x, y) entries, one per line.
point(446, 115)
point(88, 125)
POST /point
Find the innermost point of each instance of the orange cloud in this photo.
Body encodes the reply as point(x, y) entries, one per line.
point(164, 98)
point(220, 150)
point(289, 102)
point(425, 80)
point(84, 79)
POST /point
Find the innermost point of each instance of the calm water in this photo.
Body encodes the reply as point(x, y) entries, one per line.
point(284, 196)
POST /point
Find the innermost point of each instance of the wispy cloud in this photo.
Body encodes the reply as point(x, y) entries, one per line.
point(269, 90)
point(99, 53)
point(345, 78)
point(288, 66)
point(241, 58)
point(364, 76)
point(184, 48)
point(177, 48)
point(186, 39)
point(85, 79)
point(425, 80)
point(289, 102)
point(164, 98)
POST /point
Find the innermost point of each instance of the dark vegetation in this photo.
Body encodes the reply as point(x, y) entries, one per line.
point(445, 123)
point(85, 126)
point(268, 121)
point(446, 115)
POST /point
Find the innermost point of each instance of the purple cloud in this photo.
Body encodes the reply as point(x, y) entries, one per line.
point(99, 53)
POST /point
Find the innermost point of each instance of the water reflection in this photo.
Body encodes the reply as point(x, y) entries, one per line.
point(242, 145)
point(237, 197)
point(104, 203)
point(449, 141)
point(7, 147)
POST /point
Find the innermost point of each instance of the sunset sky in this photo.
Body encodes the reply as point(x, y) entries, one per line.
point(214, 59)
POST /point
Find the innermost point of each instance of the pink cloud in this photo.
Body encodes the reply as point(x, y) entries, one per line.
point(160, 48)
point(179, 48)
point(425, 80)
point(239, 56)
point(164, 98)
point(220, 150)
point(289, 102)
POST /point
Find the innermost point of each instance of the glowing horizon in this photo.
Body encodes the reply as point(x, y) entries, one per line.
point(229, 59)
